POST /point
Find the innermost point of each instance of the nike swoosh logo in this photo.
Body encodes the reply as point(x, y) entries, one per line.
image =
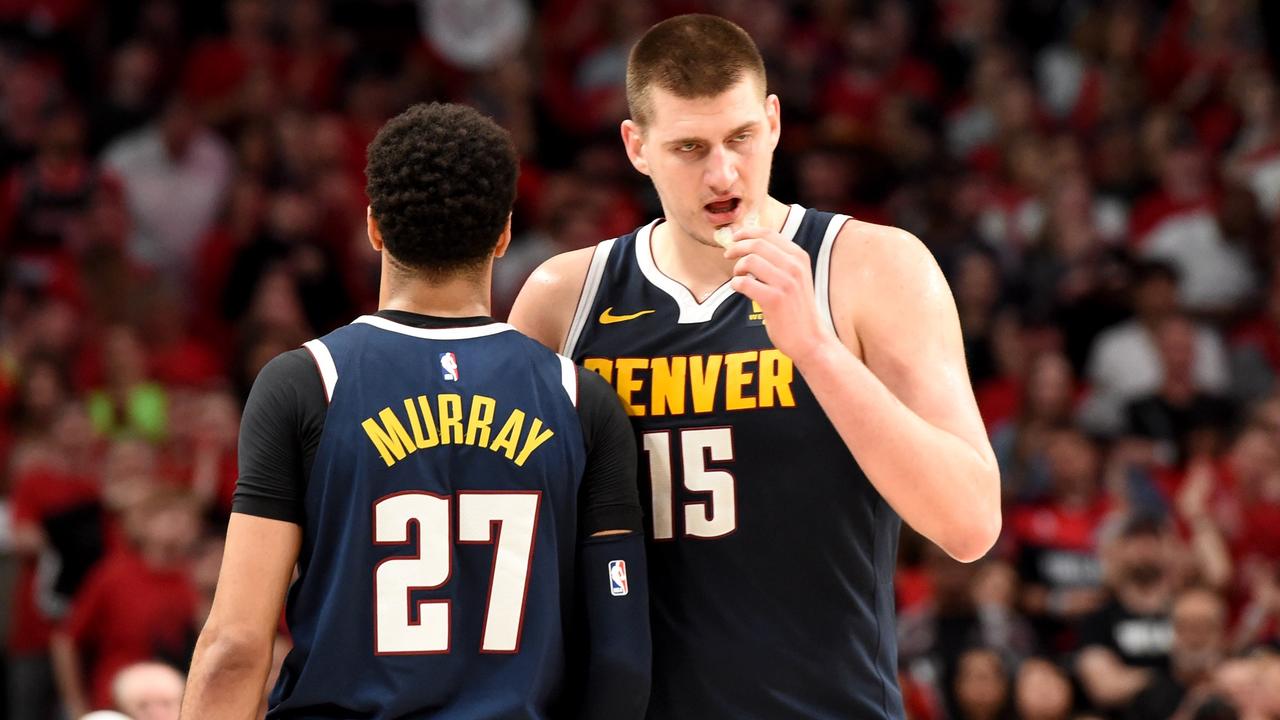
point(608, 318)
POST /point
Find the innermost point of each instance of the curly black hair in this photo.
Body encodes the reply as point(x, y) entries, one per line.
point(441, 181)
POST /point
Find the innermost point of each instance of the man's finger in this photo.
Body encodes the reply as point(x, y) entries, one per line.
point(775, 254)
point(753, 288)
point(756, 246)
point(763, 270)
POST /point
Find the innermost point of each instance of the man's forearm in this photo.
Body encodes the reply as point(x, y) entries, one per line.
point(66, 669)
point(1107, 681)
point(616, 607)
point(942, 486)
point(227, 678)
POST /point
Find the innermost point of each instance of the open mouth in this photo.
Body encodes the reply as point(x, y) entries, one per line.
point(722, 212)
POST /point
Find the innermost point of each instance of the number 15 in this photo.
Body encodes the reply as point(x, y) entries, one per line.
point(717, 515)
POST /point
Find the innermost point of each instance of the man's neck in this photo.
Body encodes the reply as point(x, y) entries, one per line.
point(700, 267)
point(459, 295)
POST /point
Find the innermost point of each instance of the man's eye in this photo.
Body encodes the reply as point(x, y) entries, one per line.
point(742, 138)
point(688, 147)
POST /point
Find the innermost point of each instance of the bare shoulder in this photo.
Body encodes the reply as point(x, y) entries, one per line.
point(884, 271)
point(544, 309)
point(882, 279)
point(892, 307)
point(883, 254)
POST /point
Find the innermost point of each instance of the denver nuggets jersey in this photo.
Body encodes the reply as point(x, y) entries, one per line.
point(439, 540)
point(771, 555)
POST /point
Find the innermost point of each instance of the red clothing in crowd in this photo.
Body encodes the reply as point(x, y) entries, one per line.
point(219, 67)
point(1250, 524)
point(1157, 212)
point(1058, 527)
point(128, 612)
point(39, 494)
point(1264, 336)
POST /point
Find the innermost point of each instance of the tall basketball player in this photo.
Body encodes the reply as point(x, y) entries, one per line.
point(795, 396)
point(459, 500)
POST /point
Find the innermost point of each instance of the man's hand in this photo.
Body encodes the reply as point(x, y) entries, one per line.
point(776, 273)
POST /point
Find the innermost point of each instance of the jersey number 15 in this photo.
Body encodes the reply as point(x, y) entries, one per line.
point(716, 513)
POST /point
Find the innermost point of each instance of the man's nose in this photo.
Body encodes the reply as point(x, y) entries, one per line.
point(722, 173)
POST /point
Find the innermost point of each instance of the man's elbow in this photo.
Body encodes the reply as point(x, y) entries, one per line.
point(975, 534)
point(233, 649)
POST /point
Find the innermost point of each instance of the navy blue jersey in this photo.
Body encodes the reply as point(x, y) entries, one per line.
point(440, 526)
point(771, 555)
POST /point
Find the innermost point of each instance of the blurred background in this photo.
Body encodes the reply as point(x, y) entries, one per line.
point(181, 198)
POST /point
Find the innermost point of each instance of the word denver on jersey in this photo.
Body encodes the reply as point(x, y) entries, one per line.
point(672, 385)
point(445, 426)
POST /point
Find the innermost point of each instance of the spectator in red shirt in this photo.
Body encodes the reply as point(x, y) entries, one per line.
point(1177, 223)
point(43, 389)
point(56, 486)
point(313, 55)
point(219, 69)
point(1056, 540)
point(139, 604)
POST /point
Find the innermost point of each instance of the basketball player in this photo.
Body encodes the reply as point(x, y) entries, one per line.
point(441, 481)
point(794, 396)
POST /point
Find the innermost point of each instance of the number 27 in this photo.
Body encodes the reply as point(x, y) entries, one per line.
point(515, 517)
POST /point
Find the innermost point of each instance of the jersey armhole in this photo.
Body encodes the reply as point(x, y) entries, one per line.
point(569, 378)
point(822, 270)
point(324, 364)
point(587, 297)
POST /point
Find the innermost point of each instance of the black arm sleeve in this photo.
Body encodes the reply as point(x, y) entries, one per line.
point(614, 591)
point(609, 498)
point(279, 433)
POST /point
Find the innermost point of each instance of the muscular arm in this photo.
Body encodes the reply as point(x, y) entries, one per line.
point(894, 382)
point(546, 303)
point(233, 654)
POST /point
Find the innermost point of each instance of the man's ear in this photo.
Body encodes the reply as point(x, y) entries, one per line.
point(773, 115)
point(375, 235)
point(633, 140)
point(504, 240)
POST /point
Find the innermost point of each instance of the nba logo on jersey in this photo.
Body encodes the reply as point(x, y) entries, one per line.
point(618, 577)
point(449, 366)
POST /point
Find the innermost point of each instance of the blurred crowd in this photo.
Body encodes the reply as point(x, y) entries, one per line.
point(181, 198)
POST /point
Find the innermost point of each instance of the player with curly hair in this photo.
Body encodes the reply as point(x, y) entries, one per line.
point(460, 502)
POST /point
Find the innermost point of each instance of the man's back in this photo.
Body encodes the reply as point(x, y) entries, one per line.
point(439, 526)
point(455, 497)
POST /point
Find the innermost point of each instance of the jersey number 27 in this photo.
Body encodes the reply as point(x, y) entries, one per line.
point(508, 520)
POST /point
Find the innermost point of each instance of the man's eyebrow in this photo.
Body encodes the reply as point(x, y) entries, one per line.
point(732, 133)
